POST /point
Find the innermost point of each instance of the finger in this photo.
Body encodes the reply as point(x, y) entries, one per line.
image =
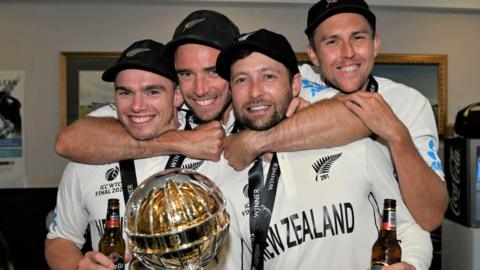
point(353, 107)
point(303, 104)
point(241, 167)
point(360, 112)
point(103, 260)
point(292, 107)
point(128, 256)
point(363, 94)
point(237, 168)
point(98, 260)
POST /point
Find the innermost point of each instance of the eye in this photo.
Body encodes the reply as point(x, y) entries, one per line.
point(331, 42)
point(123, 92)
point(269, 76)
point(184, 75)
point(153, 92)
point(212, 73)
point(239, 80)
point(359, 37)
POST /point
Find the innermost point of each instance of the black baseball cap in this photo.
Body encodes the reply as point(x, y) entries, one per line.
point(204, 27)
point(145, 55)
point(263, 41)
point(324, 9)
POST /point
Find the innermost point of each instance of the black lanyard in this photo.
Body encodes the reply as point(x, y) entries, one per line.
point(261, 198)
point(127, 167)
point(372, 86)
point(129, 177)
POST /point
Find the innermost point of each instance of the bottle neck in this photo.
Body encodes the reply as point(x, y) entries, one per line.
point(389, 224)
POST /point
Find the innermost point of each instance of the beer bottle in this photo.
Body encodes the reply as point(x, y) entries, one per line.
point(112, 244)
point(386, 249)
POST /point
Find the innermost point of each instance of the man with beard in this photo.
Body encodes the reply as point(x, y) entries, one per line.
point(306, 209)
point(196, 43)
point(342, 46)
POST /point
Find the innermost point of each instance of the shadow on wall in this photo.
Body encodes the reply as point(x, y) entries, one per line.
point(22, 223)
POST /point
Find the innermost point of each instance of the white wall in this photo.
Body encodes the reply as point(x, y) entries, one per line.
point(32, 35)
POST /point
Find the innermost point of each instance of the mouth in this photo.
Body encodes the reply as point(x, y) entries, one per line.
point(140, 119)
point(349, 69)
point(258, 109)
point(204, 102)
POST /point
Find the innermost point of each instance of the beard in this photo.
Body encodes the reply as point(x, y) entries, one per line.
point(264, 123)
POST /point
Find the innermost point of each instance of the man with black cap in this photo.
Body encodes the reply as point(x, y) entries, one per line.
point(197, 42)
point(343, 46)
point(303, 209)
point(193, 50)
point(146, 102)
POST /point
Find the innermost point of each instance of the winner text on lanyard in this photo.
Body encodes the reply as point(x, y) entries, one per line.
point(261, 198)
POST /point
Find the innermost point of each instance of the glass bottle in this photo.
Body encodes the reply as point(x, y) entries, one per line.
point(112, 244)
point(386, 249)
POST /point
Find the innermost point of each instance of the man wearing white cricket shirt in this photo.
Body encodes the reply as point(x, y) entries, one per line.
point(308, 209)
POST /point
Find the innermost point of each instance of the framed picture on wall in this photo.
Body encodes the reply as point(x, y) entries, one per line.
point(81, 87)
point(425, 72)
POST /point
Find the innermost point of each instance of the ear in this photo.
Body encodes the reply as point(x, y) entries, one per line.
point(296, 84)
point(376, 45)
point(177, 97)
point(312, 55)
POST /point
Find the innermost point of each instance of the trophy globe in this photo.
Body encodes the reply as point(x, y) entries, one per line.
point(176, 219)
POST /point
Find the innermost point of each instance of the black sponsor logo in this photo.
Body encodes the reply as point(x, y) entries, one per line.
point(112, 173)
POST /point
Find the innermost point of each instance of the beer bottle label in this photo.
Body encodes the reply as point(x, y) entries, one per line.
point(118, 260)
point(390, 221)
point(112, 223)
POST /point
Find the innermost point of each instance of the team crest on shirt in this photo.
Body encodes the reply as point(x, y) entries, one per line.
point(323, 166)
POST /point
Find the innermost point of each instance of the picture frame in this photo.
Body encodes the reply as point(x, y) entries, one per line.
point(425, 72)
point(81, 87)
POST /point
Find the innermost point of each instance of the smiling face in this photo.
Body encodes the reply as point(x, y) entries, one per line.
point(344, 49)
point(146, 103)
point(205, 92)
point(261, 91)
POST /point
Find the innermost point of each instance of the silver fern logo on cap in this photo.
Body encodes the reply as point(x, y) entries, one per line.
point(245, 36)
point(192, 23)
point(329, 2)
point(136, 51)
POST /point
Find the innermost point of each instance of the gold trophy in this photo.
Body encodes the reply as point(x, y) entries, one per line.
point(176, 219)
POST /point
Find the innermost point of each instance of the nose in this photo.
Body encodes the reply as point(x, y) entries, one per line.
point(348, 50)
point(255, 89)
point(200, 86)
point(138, 103)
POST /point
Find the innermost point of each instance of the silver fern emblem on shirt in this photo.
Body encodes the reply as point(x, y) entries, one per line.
point(193, 166)
point(323, 165)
